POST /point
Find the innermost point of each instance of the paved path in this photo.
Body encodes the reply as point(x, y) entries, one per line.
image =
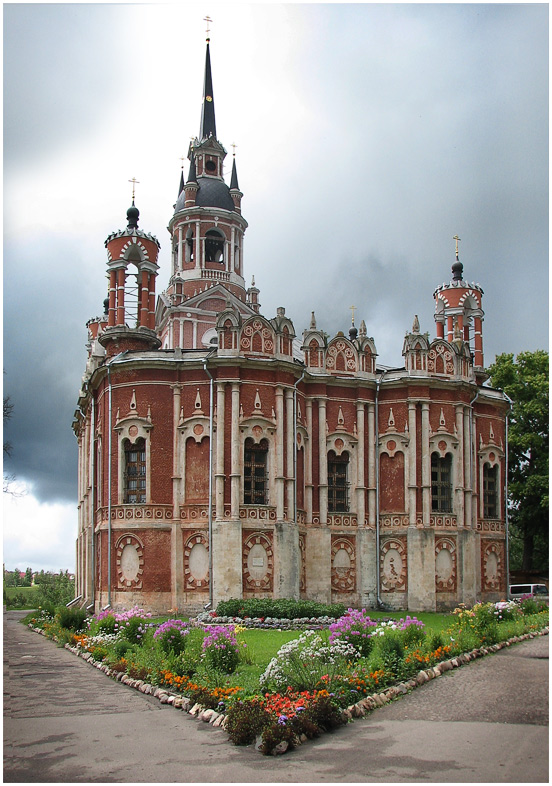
point(66, 722)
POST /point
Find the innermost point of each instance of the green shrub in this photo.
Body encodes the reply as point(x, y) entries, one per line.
point(434, 641)
point(413, 636)
point(323, 713)
point(172, 636)
point(283, 608)
point(220, 649)
point(72, 619)
point(134, 629)
point(121, 648)
point(392, 652)
point(275, 732)
point(106, 625)
point(246, 721)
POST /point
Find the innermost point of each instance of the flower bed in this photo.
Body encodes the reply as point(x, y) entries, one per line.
point(277, 623)
point(315, 682)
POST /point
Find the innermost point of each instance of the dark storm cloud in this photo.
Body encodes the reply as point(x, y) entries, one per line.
point(44, 336)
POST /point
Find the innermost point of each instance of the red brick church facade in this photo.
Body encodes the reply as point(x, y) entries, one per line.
point(222, 456)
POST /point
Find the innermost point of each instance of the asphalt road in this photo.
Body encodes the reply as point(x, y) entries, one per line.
point(66, 722)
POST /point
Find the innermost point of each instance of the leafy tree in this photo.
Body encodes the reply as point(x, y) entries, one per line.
point(28, 580)
point(57, 588)
point(9, 486)
point(525, 381)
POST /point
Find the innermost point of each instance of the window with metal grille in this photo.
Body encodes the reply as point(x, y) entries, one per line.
point(135, 472)
point(255, 485)
point(441, 483)
point(490, 491)
point(338, 497)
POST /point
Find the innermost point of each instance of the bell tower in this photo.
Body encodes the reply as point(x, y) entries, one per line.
point(459, 312)
point(207, 231)
point(132, 270)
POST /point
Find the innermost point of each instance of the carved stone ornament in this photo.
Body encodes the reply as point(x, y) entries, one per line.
point(393, 565)
point(130, 562)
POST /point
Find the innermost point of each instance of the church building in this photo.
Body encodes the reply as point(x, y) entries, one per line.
point(222, 455)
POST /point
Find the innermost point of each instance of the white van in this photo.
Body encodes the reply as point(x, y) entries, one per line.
point(540, 591)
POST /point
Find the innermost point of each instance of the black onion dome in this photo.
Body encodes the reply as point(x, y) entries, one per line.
point(457, 270)
point(211, 193)
point(133, 214)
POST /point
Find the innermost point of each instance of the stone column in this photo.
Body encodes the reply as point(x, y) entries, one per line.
point(151, 302)
point(177, 546)
point(459, 481)
point(121, 275)
point(467, 469)
point(360, 484)
point(426, 465)
point(112, 297)
point(197, 259)
point(372, 458)
point(179, 257)
point(290, 453)
point(280, 480)
point(143, 305)
point(322, 462)
point(219, 468)
point(412, 464)
point(308, 461)
point(235, 454)
point(177, 465)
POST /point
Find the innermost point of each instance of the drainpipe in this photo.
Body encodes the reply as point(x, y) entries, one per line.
point(109, 448)
point(210, 505)
point(109, 412)
point(379, 601)
point(301, 378)
point(93, 503)
point(506, 518)
point(472, 462)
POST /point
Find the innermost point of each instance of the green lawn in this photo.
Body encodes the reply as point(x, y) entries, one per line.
point(28, 597)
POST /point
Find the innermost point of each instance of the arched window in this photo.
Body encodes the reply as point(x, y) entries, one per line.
point(132, 294)
point(214, 246)
point(255, 485)
point(338, 497)
point(490, 491)
point(441, 483)
point(135, 472)
point(189, 247)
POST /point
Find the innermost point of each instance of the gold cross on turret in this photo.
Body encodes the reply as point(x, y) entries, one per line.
point(234, 146)
point(208, 20)
point(133, 181)
point(182, 158)
point(457, 241)
point(353, 309)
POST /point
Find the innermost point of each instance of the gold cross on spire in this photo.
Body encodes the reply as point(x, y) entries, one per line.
point(457, 240)
point(234, 145)
point(353, 309)
point(133, 181)
point(182, 158)
point(208, 20)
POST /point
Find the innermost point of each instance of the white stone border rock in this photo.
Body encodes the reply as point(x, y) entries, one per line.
point(358, 710)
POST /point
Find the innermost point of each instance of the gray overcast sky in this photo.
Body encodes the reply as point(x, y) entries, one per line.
point(367, 136)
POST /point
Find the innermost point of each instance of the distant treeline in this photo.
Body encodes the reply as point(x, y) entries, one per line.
point(48, 589)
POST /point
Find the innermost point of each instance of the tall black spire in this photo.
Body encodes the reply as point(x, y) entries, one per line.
point(234, 178)
point(208, 127)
